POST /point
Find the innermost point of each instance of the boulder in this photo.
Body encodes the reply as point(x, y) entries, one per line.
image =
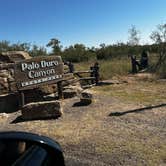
point(9, 103)
point(5, 77)
point(72, 90)
point(7, 60)
point(3, 115)
point(14, 56)
point(69, 93)
point(42, 110)
point(86, 98)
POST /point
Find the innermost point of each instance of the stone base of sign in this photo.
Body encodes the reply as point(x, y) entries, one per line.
point(34, 95)
point(69, 93)
point(86, 98)
point(42, 110)
point(9, 103)
point(72, 90)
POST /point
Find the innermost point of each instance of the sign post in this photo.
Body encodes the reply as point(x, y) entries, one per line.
point(60, 90)
point(38, 71)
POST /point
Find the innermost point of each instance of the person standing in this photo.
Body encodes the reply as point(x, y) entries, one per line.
point(133, 64)
point(144, 60)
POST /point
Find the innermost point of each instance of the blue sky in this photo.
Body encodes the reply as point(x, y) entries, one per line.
point(90, 22)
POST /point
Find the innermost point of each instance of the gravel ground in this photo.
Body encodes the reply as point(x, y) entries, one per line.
point(113, 130)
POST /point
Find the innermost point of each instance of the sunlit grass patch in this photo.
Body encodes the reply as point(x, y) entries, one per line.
point(108, 68)
point(140, 92)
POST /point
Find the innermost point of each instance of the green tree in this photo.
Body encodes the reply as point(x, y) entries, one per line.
point(37, 51)
point(78, 53)
point(55, 45)
point(4, 46)
point(20, 47)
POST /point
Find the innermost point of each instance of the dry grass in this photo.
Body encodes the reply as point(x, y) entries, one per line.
point(138, 92)
point(108, 68)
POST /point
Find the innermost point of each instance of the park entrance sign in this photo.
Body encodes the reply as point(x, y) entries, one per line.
point(32, 73)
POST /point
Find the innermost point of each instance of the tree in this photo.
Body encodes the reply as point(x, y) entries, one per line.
point(134, 36)
point(55, 45)
point(78, 53)
point(159, 38)
point(159, 35)
point(20, 47)
point(37, 51)
point(4, 46)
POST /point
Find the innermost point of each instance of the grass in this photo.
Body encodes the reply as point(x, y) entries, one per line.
point(108, 68)
point(114, 67)
point(133, 148)
point(119, 66)
point(139, 92)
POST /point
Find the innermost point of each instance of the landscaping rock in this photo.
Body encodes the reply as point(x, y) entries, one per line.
point(4, 115)
point(69, 93)
point(14, 56)
point(72, 90)
point(42, 110)
point(9, 103)
point(7, 60)
point(86, 98)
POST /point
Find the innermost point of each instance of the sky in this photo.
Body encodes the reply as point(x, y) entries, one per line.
point(90, 22)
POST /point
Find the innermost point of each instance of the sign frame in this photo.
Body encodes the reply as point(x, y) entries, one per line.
point(38, 71)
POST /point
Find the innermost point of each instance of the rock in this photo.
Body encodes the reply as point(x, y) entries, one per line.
point(4, 115)
point(34, 95)
point(77, 87)
point(86, 95)
point(4, 82)
point(86, 98)
point(42, 110)
point(69, 93)
point(14, 56)
point(7, 81)
point(9, 103)
point(72, 90)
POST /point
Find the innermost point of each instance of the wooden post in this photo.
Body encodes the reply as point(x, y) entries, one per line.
point(60, 90)
point(9, 86)
point(22, 99)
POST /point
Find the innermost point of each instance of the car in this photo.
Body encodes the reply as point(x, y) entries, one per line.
point(28, 149)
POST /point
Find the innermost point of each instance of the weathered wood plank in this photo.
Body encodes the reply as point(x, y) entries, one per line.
point(87, 78)
point(82, 72)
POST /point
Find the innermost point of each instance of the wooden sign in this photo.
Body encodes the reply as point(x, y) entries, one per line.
point(32, 73)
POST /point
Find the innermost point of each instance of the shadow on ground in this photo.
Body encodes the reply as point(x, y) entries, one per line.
point(20, 119)
point(136, 110)
point(81, 104)
point(103, 83)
